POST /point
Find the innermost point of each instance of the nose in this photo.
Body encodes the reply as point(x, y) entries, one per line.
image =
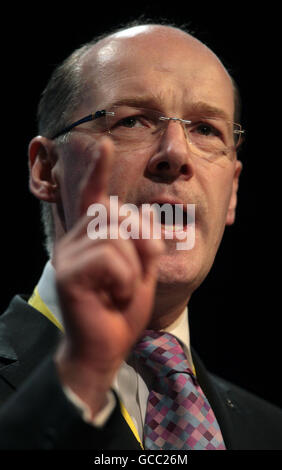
point(173, 159)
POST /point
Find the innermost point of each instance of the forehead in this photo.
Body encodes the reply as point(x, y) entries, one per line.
point(168, 65)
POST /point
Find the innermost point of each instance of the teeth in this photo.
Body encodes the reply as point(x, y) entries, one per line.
point(174, 228)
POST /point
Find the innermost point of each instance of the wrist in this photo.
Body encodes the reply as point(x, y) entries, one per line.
point(90, 386)
point(101, 417)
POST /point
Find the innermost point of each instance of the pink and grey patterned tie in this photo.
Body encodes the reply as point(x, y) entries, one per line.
point(178, 414)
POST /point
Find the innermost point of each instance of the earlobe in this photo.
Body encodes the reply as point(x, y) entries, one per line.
point(42, 159)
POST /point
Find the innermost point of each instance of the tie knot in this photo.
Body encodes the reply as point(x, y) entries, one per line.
point(162, 352)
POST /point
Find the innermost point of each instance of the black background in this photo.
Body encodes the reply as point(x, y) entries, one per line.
point(235, 315)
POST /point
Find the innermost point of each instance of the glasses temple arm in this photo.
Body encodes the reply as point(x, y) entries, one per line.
point(88, 118)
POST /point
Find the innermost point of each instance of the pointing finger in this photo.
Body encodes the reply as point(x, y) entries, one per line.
point(94, 186)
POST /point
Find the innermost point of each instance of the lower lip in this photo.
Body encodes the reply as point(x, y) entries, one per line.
point(174, 232)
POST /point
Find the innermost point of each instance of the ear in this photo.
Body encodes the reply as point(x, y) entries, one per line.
point(230, 218)
point(42, 159)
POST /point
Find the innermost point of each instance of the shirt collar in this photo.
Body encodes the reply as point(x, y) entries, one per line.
point(180, 329)
point(48, 293)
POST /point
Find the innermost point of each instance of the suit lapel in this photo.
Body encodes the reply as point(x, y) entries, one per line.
point(7, 352)
point(26, 338)
point(218, 400)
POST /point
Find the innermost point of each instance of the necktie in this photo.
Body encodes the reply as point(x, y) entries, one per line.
point(178, 414)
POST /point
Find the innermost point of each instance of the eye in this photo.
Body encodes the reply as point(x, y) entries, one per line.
point(133, 122)
point(206, 130)
point(130, 121)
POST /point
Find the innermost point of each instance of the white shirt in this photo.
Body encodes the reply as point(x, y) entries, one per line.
point(131, 381)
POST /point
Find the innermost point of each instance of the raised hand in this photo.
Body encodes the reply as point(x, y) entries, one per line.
point(106, 291)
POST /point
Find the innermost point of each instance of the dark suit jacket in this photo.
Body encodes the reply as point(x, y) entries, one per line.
point(35, 413)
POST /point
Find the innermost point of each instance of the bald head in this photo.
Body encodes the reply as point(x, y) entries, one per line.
point(150, 32)
point(162, 45)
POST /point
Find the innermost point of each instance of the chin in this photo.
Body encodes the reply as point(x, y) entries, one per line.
point(182, 269)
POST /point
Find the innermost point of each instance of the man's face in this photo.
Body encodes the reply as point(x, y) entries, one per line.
point(166, 70)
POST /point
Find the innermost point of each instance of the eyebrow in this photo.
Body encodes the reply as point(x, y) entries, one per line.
point(205, 109)
point(145, 101)
point(153, 101)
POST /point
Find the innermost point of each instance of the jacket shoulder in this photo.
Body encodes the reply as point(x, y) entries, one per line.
point(256, 423)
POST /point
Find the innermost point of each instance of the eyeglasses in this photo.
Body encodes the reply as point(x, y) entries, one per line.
point(134, 128)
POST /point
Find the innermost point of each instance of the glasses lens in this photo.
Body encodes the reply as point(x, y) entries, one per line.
point(132, 128)
point(211, 135)
point(136, 127)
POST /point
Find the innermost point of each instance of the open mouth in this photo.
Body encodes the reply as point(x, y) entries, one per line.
point(174, 217)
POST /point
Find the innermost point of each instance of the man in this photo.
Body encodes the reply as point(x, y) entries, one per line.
point(68, 355)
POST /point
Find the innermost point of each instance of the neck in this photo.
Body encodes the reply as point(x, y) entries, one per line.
point(169, 304)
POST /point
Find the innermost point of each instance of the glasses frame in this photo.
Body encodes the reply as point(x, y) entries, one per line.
point(103, 112)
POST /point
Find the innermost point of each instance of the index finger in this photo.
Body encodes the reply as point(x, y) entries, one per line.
point(94, 186)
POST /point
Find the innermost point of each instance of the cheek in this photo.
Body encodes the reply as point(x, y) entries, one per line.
point(74, 172)
point(127, 171)
point(219, 197)
point(73, 165)
point(70, 195)
point(216, 182)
